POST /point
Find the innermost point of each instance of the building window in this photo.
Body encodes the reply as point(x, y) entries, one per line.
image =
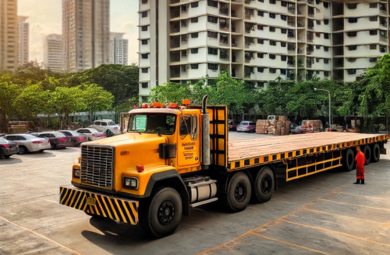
point(144, 85)
point(326, 73)
point(326, 21)
point(351, 6)
point(212, 34)
point(283, 71)
point(272, 70)
point(318, 22)
point(373, 32)
point(184, 53)
point(284, 31)
point(272, 1)
point(317, 72)
point(326, 61)
point(351, 71)
point(272, 56)
point(194, 35)
point(351, 34)
point(261, 1)
point(318, 47)
point(194, 51)
point(144, 14)
point(194, 66)
point(373, 60)
point(317, 60)
point(326, 48)
point(354, 47)
point(144, 42)
point(284, 3)
point(213, 67)
point(326, 35)
point(144, 70)
point(183, 69)
point(373, 5)
point(374, 18)
point(260, 69)
point(283, 58)
point(283, 44)
point(352, 20)
point(382, 49)
point(260, 41)
point(271, 29)
point(272, 15)
point(318, 34)
point(260, 27)
point(144, 1)
point(213, 51)
point(145, 56)
point(260, 13)
point(260, 55)
point(194, 20)
point(283, 17)
point(212, 3)
point(326, 4)
point(194, 5)
point(184, 8)
point(212, 19)
point(184, 23)
point(372, 46)
point(273, 43)
point(144, 28)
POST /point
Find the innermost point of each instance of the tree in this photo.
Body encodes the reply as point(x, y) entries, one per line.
point(30, 102)
point(95, 98)
point(8, 94)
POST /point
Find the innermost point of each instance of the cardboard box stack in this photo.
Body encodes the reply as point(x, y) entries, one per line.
point(279, 126)
point(262, 126)
point(312, 126)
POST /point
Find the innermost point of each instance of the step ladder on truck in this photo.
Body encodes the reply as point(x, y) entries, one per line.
point(176, 157)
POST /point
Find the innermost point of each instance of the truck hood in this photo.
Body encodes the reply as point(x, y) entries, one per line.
point(129, 138)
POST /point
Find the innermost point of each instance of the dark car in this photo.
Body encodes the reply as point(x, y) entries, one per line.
point(7, 148)
point(232, 125)
point(76, 138)
point(57, 139)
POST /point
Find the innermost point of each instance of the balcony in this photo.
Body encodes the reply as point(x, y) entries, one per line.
point(223, 9)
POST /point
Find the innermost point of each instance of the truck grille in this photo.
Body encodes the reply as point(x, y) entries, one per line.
point(97, 166)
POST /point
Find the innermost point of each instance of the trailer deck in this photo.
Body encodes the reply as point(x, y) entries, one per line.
point(243, 154)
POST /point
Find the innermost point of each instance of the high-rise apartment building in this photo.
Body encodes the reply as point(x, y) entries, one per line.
point(8, 35)
point(258, 40)
point(86, 33)
point(23, 27)
point(118, 49)
point(53, 54)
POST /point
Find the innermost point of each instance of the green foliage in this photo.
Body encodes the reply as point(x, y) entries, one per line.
point(8, 94)
point(95, 98)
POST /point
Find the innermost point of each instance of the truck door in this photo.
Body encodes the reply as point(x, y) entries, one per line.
point(188, 143)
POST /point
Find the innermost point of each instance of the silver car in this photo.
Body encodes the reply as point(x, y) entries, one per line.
point(246, 126)
point(91, 133)
point(29, 143)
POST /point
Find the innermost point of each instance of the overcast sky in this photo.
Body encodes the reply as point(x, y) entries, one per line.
point(45, 17)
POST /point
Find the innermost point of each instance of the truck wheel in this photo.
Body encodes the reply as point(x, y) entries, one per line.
point(161, 215)
point(348, 160)
point(376, 152)
point(239, 192)
point(264, 185)
point(367, 154)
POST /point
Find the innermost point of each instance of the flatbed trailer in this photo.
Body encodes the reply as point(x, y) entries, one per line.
point(177, 157)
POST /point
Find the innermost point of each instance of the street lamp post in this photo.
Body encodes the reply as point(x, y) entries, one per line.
point(330, 122)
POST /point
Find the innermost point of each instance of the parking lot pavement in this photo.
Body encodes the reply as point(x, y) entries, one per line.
point(324, 213)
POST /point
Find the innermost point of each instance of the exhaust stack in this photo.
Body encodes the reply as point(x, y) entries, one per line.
point(205, 134)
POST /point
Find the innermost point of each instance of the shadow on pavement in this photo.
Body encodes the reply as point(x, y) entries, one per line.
point(9, 161)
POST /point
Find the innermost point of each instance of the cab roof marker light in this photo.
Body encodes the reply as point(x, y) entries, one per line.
point(157, 105)
point(186, 102)
point(144, 105)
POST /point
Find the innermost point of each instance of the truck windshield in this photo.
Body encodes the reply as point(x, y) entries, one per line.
point(153, 123)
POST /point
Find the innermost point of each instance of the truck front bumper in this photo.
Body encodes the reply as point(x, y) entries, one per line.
point(115, 208)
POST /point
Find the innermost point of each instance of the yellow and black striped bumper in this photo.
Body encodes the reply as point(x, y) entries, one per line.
point(119, 209)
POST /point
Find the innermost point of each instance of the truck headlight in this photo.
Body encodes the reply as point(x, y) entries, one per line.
point(130, 183)
point(76, 173)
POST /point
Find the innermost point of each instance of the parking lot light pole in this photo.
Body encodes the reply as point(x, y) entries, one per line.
point(330, 122)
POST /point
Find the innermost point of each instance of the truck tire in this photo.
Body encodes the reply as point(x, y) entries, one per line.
point(264, 185)
point(367, 154)
point(376, 152)
point(239, 192)
point(348, 160)
point(161, 214)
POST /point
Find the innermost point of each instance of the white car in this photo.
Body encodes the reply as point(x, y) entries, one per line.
point(29, 143)
point(103, 125)
point(91, 133)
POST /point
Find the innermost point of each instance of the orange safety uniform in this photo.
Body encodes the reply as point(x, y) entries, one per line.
point(360, 161)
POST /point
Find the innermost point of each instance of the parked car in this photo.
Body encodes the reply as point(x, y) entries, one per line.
point(296, 129)
point(103, 125)
point(7, 148)
point(29, 143)
point(76, 138)
point(246, 126)
point(232, 125)
point(57, 139)
point(91, 133)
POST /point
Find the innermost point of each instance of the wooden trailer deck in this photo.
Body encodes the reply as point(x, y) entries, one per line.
point(243, 154)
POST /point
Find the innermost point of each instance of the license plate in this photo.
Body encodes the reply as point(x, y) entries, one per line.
point(91, 201)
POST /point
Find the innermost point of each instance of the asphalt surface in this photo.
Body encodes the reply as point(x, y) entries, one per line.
point(324, 213)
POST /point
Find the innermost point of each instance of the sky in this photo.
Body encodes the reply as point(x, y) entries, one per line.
point(45, 17)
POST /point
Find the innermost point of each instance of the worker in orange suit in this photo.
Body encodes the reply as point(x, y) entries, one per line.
point(360, 161)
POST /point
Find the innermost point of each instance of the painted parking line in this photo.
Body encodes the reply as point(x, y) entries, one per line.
point(363, 206)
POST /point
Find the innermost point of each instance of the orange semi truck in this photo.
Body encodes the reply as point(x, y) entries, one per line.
point(175, 157)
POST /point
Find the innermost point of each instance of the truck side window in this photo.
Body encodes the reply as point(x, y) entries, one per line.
point(185, 125)
point(194, 127)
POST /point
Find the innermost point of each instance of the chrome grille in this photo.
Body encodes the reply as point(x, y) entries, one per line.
point(97, 165)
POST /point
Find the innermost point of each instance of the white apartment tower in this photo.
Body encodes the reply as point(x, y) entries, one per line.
point(86, 33)
point(23, 27)
point(8, 35)
point(118, 49)
point(258, 40)
point(53, 54)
